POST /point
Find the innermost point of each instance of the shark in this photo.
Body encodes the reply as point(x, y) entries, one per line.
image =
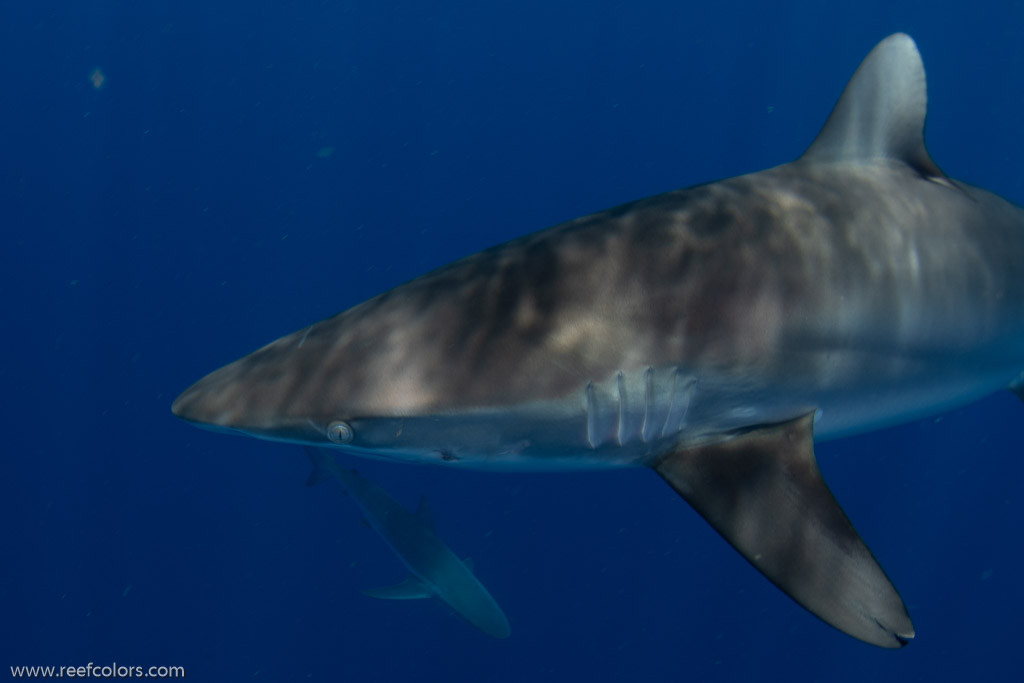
point(712, 334)
point(434, 570)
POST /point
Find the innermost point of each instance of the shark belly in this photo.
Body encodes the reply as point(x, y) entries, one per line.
point(632, 418)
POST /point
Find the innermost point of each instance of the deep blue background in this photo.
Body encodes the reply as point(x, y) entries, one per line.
point(180, 216)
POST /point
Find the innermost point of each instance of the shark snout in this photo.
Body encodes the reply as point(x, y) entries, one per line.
point(203, 404)
point(228, 398)
point(235, 400)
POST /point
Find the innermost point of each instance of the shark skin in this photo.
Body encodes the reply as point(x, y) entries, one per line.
point(711, 334)
point(435, 571)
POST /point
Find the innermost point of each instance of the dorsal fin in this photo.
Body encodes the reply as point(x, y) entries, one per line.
point(881, 112)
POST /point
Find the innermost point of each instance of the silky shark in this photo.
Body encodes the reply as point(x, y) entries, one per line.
point(434, 570)
point(709, 333)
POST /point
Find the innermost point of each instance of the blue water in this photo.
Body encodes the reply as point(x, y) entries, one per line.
point(244, 169)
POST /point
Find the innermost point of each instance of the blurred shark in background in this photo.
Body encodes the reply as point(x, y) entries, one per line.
point(434, 570)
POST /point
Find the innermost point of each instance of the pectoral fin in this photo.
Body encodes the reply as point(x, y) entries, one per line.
point(410, 589)
point(763, 492)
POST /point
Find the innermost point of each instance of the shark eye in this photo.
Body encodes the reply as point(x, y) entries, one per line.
point(339, 432)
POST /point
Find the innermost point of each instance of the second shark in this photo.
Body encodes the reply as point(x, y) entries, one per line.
point(434, 570)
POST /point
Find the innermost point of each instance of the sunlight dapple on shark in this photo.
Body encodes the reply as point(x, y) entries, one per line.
point(709, 333)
